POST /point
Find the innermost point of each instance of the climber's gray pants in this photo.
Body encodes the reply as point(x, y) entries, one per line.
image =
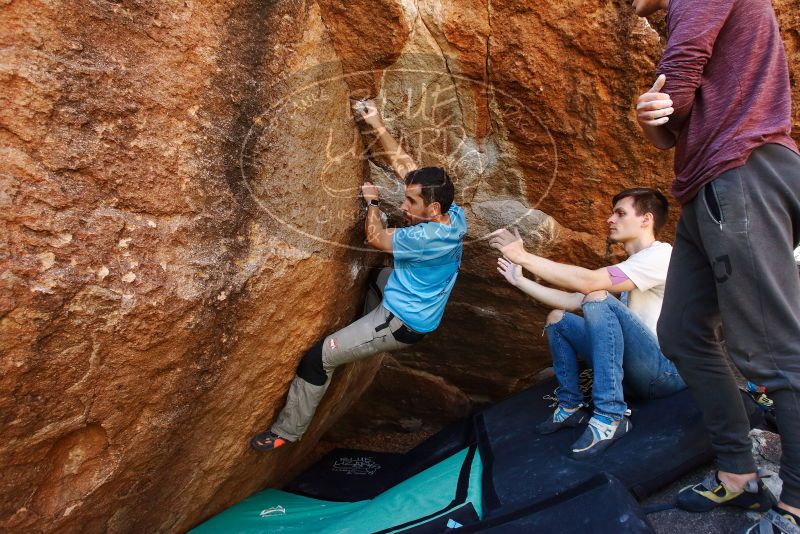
point(377, 331)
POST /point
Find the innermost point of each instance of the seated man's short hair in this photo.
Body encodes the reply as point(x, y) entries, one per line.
point(647, 200)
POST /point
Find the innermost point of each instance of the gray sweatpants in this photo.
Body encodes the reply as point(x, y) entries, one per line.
point(377, 331)
point(733, 263)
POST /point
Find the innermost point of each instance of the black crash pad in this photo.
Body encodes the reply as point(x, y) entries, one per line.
point(601, 505)
point(522, 468)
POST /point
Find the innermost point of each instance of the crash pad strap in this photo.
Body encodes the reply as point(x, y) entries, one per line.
point(490, 498)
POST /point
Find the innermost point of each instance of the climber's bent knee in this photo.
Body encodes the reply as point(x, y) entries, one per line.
point(310, 368)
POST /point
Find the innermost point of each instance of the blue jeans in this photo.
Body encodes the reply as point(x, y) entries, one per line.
point(614, 343)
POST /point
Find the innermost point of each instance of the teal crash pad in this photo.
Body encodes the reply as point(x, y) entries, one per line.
point(443, 490)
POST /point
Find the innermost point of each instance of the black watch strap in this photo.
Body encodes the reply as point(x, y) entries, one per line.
point(374, 202)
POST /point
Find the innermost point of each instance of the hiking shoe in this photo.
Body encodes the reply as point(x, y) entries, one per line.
point(267, 440)
point(776, 521)
point(711, 493)
point(562, 418)
point(600, 434)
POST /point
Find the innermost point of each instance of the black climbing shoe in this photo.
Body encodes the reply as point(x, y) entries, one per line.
point(267, 440)
point(600, 434)
point(711, 493)
point(562, 418)
point(776, 521)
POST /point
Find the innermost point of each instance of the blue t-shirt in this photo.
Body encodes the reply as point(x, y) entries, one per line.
point(426, 261)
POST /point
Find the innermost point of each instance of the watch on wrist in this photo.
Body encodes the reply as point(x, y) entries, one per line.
point(374, 202)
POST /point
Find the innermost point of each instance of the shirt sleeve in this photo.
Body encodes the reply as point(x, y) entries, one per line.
point(408, 244)
point(616, 275)
point(693, 29)
point(648, 268)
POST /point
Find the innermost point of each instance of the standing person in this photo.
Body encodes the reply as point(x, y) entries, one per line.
point(617, 340)
point(722, 100)
point(410, 298)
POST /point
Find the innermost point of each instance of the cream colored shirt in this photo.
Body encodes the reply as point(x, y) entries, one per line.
point(647, 269)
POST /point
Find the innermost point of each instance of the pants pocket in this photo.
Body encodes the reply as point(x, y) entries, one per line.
point(712, 203)
point(383, 328)
point(725, 203)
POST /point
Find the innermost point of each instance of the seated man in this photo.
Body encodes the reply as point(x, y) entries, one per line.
point(427, 256)
point(615, 339)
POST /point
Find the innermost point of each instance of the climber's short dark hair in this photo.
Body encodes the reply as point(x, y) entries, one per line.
point(436, 186)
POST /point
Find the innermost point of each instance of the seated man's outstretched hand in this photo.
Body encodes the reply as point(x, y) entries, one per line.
point(510, 271)
point(510, 245)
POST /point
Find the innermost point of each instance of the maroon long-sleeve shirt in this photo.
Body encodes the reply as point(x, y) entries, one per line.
point(728, 79)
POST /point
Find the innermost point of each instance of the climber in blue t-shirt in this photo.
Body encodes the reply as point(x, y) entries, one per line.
point(405, 303)
point(426, 260)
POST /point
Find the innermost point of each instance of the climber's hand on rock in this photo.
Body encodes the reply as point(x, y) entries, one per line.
point(367, 111)
point(510, 245)
point(653, 108)
point(511, 271)
point(369, 191)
